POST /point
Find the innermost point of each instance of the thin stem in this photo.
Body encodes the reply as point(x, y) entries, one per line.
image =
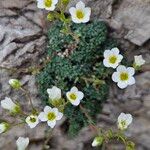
point(48, 137)
point(92, 124)
point(28, 97)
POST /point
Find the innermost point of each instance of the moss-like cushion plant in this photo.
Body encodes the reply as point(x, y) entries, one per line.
point(79, 65)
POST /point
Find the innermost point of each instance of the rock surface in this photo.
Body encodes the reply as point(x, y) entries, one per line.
point(22, 44)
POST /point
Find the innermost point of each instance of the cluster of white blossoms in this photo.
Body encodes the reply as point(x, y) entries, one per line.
point(123, 75)
point(124, 120)
point(79, 14)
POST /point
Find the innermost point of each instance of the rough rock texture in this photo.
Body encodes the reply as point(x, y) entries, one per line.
point(22, 44)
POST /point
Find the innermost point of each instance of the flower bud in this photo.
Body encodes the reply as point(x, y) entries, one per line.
point(65, 2)
point(138, 62)
point(50, 17)
point(8, 104)
point(14, 83)
point(22, 143)
point(4, 127)
point(97, 141)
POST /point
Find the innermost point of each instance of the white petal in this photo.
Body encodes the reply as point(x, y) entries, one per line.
point(8, 104)
point(87, 11)
point(122, 85)
point(120, 57)
point(106, 63)
point(47, 109)
point(107, 53)
point(115, 76)
point(67, 94)
point(75, 103)
point(85, 19)
point(121, 68)
point(80, 95)
point(55, 110)
point(80, 5)
point(131, 70)
point(129, 119)
point(42, 116)
point(76, 20)
point(74, 89)
point(131, 81)
point(121, 117)
point(22, 143)
point(114, 65)
point(72, 11)
point(55, 2)
point(40, 4)
point(59, 116)
point(51, 123)
point(115, 51)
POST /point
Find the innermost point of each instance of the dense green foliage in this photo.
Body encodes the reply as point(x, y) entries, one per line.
point(81, 67)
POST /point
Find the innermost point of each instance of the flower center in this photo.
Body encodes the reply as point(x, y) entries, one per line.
point(32, 119)
point(48, 3)
point(51, 116)
point(73, 96)
point(79, 14)
point(124, 76)
point(112, 59)
point(123, 123)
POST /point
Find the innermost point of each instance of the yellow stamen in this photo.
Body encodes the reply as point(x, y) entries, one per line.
point(79, 14)
point(73, 96)
point(51, 116)
point(48, 3)
point(112, 59)
point(124, 76)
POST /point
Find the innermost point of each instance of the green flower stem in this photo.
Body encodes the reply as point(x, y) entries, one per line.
point(28, 97)
point(47, 137)
point(92, 124)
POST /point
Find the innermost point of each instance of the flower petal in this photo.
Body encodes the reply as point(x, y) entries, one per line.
point(131, 71)
point(131, 81)
point(121, 68)
point(75, 103)
point(80, 95)
point(115, 76)
point(51, 123)
point(59, 116)
point(80, 5)
point(115, 51)
point(47, 109)
point(122, 85)
point(74, 89)
point(42, 116)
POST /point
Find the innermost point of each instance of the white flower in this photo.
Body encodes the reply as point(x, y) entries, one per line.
point(112, 58)
point(74, 96)
point(124, 120)
point(54, 93)
point(14, 83)
point(80, 14)
point(97, 141)
point(22, 143)
point(3, 127)
point(32, 121)
point(139, 61)
point(50, 115)
point(124, 76)
point(47, 4)
point(8, 104)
